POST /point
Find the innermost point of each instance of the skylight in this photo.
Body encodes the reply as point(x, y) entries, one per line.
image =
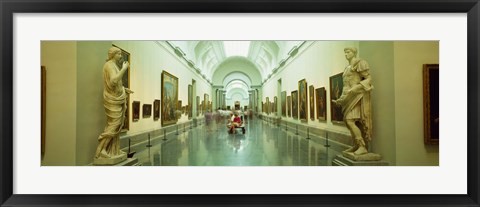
point(236, 48)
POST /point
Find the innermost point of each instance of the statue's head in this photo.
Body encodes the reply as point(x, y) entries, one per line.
point(352, 50)
point(112, 52)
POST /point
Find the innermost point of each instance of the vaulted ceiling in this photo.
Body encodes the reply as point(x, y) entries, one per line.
point(237, 65)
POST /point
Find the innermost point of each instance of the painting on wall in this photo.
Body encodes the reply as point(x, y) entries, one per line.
point(136, 110)
point(275, 105)
point(156, 109)
point(44, 107)
point(126, 83)
point(295, 104)
point(321, 100)
point(190, 101)
point(311, 101)
point(283, 98)
point(431, 115)
point(198, 105)
point(302, 100)
point(205, 102)
point(169, 98)
point(336, 87)
point(147, 110)
point(289, 106)
point(267, 105)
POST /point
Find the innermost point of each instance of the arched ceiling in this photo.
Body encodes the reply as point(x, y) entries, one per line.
point(207, 55)
point(227, 62)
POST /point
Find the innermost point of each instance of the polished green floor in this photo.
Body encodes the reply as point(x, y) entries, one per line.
point(263, 144)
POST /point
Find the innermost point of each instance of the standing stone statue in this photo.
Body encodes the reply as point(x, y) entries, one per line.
point(355, 103)
point(114, 100)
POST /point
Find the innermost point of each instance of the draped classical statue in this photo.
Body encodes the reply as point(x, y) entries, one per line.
point(114, 100)
point(355, 102)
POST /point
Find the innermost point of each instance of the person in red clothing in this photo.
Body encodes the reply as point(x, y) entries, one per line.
point(235, 123)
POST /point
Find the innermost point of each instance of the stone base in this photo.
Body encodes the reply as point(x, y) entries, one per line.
point(340, 160)
point(110, 161)
point(365, 157)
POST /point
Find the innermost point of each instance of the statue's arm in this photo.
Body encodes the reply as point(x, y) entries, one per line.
point(366, 83)
point(114, 75)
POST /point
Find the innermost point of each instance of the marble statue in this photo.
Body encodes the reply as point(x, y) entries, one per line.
point(355, 102)
point(115, 102)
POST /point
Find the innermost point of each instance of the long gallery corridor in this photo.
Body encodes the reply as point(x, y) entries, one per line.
point(303, 103)
point(263, 144)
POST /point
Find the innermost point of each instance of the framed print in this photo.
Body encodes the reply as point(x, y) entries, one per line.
point(147, 110)
point(156, 109)
point(43, 106)
point(431, 115)
point(267, 106)
point(336, 87)
point(205, 102)
point(258, 20)
point(275, 105)
point(289, 106)
point(321, 100)
point(283, 100)
point(126, 83)
point(190, 101)
point(198, 105)
point(169, 98)
point(136, 110)
point(295, 104)
point(311, 101)
point(302, 100)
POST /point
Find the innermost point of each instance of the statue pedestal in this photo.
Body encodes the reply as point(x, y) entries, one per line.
point(362, 160)
point(365, 157)
point(110, 161)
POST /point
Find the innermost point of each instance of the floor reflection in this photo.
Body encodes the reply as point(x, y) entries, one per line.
point(263, 144)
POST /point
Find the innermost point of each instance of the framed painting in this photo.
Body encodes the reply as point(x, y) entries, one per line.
point(267, 105)
point(289, 106)
point(336, 87)
point(156, 109)
point(126, 83)
point(275, 105)
point(283, 99)
point(136, 110)
point(43, 106)
point(295, 104)
point(321, 100)
point(169, 98)
point(205, 102)
point(311, 101)
point(431, 108)
point(302, 100)
point(198, 105)
point(147, 110)
point(190, 101)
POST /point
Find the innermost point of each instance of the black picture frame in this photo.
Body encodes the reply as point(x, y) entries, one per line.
point(9, 8)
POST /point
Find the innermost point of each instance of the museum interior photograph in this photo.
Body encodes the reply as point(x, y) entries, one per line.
point(239, 103)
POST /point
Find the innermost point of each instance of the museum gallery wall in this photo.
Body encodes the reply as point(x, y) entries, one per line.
point(398, 131)
point(320, 64)
point(84, 88)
